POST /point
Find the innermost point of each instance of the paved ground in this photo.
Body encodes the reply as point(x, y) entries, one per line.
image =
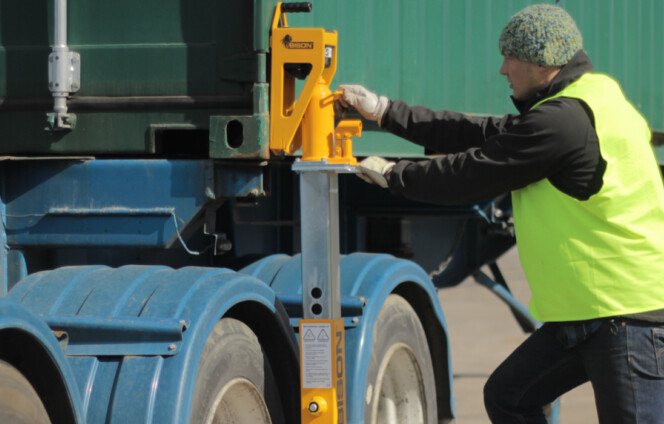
point(482, 333)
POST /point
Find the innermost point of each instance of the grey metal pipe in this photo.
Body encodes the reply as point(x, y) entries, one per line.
point(60, 39)
point(59, 60)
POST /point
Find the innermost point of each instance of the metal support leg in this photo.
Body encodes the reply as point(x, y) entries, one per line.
point(319, 194)
point(322, 352)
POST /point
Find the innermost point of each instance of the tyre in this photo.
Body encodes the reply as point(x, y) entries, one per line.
point(19, 403)
point(400, 383)
point(233, 378)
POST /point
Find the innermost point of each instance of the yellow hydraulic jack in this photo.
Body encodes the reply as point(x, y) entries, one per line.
point(307, 122)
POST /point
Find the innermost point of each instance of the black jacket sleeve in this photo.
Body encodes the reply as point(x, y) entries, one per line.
point(441, 131)
point(490, 156)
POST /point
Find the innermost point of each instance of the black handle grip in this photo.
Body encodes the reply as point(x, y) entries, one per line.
point(301, 7)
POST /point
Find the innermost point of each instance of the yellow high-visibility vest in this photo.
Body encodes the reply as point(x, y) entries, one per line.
point(603, 256)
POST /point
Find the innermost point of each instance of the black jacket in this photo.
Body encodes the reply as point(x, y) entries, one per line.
point(485, 157)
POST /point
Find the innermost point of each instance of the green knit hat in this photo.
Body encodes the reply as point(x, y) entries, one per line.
point(542, 34)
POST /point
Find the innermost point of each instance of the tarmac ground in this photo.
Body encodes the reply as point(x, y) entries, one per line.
point(483, 332)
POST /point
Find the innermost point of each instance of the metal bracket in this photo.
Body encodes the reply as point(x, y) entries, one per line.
point(64, 77)
point(117, 336)
point(221, 244)
point(64, 71)
point(325, 166)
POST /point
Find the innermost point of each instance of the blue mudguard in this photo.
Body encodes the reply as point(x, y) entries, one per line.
point(372, 278)
point(37, 336)
point(136, 333)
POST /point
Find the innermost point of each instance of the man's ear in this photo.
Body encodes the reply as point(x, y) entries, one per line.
point(543, 68)
point(548, 72)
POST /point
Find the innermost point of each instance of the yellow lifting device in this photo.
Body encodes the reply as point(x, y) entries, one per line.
point(307, 123)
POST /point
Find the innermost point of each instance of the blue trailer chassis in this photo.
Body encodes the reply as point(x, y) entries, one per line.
point(114, 270)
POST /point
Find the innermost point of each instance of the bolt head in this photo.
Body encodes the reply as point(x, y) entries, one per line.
point(313, 407)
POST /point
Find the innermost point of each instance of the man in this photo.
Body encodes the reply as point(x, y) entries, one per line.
point(588, 204)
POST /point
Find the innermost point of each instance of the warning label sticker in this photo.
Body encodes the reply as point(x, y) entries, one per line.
point(316, 356)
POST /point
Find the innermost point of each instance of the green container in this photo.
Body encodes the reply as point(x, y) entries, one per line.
point(191, 77)
point(156, 77)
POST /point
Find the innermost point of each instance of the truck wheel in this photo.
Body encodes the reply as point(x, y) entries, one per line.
point(400, 385)
point(233, 378)
point(19, 403)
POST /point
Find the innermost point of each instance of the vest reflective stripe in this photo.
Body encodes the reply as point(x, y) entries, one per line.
point(603, 256)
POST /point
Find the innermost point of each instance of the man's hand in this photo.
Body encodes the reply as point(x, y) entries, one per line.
point(373, 170)
point(370, 106)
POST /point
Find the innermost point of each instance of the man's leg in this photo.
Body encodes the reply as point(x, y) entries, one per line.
point(533, 376)
point(625, 363)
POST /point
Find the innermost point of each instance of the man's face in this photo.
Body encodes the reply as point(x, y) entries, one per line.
point(525, 78)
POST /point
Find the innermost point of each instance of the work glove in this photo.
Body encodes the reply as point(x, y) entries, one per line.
point(370, 106)
point(373, 170)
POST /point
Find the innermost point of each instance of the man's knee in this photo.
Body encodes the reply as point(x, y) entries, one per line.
point(496, 397)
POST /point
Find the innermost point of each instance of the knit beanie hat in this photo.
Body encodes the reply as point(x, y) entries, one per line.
point(542, 34)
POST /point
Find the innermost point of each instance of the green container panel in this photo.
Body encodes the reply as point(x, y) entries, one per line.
point(128, 47)
point(438, 53)
point(203, 58)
